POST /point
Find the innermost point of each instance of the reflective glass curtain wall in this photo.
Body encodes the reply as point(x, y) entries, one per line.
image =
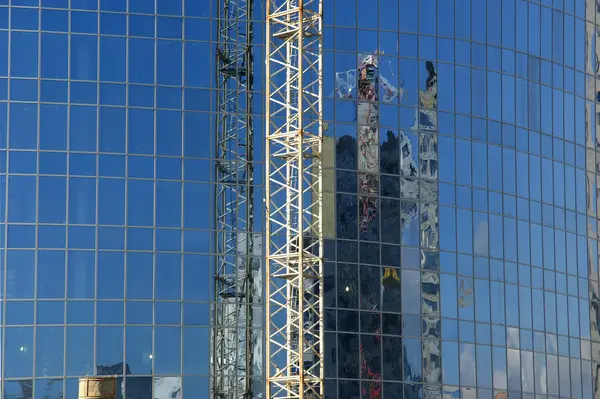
point(462, 253)
point(464, 261)
point(105, 147)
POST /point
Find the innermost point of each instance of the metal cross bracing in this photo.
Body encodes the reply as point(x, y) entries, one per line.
point(294, 251)
point(232, 343)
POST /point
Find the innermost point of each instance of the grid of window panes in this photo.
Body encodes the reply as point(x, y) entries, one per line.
point(507, 302)
point(106, 139)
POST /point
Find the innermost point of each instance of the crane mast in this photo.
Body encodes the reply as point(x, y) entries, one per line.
point(233, 347)
point(294, 178)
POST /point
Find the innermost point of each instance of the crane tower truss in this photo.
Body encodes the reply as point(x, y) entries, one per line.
point(294, 251)
point(233, 346)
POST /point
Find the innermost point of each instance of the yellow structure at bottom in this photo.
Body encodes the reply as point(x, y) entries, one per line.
point(97, 387)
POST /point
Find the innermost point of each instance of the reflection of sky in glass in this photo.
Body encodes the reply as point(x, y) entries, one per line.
point(534, 215)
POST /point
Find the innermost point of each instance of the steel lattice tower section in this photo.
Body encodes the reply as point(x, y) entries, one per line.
point(294, 250)
point(232, 350)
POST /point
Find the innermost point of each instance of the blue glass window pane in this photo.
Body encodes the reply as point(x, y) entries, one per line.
point(113, 56)
point(53, 163)
point(140, 239)
point(111, 275)
point(141, 131)
point(24, 18)
point(83, 129)
point(196, 285)
point(141, 96)
point(109, 345)
point(28, 96)
point(80, 351)
point(82, 164)
point(140, 167)
point(84, 57)
point(4, 53)
point(167, 346)
point(55, 3)
point(169, 168)
point(197, 216)
point(140, 279)
point(3, 127)
point(168, 204)
point(168, 133)
point(21, 197)
point(20, 162)
point(169, 28)
point(195, 29)
point(111, 238)
point(168, 276)
point(196, 145)
point(82, 200)
point(21, 236)
point(111, 202)
point(196, 348)
point(81, 275)
point(112, 165)
point(168, 97)
point(84, 93)
point(52, 387)
point(55, 20)
point(140, 312)
point(80, 312)
point(24, 54)
point(169, 58)
point(50, 312)
point(167, 313)
point(84, 22)
point(196, 9)
point(19, 312)
point(141, 25)
point(91, 5)
point(197, 170)
point(113, 24)
point(23, 126)
point(196, 241)
point(197, 100)
point(22, 90)
point(49, 351)
point(52, 237)
point(112, 129)
point(113, 5)
point(113, 94)
point(168, 7)
point(196, 314)
point(141, 6)
point(4, 18)
point(140, 204)
point(54, 91)
point(51, 274)
point(196, 64)
point(18, 388)
point(168, 240)
point(139, 349)
point(18, 352)
point(197, 386)
point(141, 61)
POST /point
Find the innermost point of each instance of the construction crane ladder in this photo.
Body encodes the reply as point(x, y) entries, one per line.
point(232, 343)
point(294, 251)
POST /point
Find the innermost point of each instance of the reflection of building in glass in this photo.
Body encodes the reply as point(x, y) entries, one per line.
point(387, 192)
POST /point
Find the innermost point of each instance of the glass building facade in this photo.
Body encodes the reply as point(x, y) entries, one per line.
point(105, 196)
point(464, 261)
point(461, 240)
